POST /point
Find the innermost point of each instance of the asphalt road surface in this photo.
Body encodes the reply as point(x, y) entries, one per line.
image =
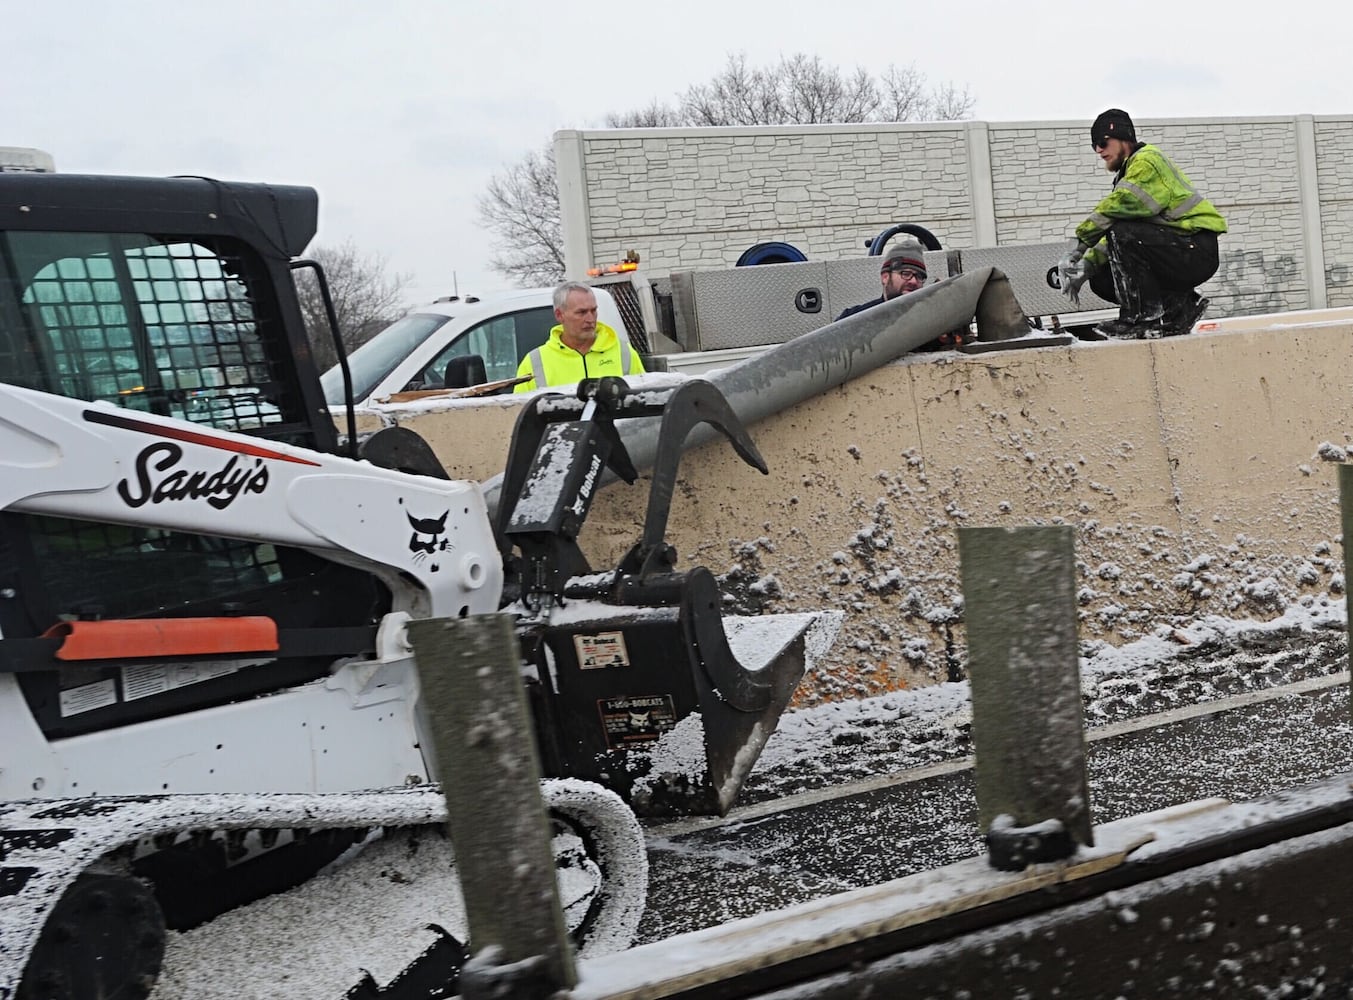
point(780, 852)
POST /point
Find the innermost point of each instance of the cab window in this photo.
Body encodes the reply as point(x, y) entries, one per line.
point(161, 325)
point(502, 342)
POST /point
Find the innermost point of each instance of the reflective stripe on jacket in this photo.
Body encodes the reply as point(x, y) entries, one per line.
point(555, 363)
point(1149, 188)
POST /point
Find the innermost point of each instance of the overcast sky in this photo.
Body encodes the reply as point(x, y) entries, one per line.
point(400, 111)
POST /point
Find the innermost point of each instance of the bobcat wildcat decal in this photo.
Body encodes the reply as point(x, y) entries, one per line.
point(434, 528)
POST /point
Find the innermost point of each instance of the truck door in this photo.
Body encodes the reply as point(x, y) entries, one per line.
point(501, 341)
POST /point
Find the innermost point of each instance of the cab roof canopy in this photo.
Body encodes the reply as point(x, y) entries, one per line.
point(280, 220)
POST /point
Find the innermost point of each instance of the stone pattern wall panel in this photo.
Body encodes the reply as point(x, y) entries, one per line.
point(697, 198)
point(683, 203)
point(1334, 140)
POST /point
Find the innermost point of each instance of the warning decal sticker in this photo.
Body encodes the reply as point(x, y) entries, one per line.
point(634, 720)
point(149, 679)
point(605, 649)
point(88, 697)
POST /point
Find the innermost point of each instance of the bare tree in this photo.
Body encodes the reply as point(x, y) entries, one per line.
point(522, 207)
point(737, 96)
point(949, 104)
point(906, 99)
point(522, 203)
point(366, 299)
point(803, 90)
point(798, 90)
point(656, 115)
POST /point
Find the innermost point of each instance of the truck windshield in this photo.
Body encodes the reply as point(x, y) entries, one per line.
point(378, 357)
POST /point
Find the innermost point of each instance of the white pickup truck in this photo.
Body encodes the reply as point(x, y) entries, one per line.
point(414, 352)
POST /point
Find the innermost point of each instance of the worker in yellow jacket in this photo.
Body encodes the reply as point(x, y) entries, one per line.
point(579, 347)
point(1155, 232)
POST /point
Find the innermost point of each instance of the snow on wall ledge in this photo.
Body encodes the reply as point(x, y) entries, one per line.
point(1199, 473)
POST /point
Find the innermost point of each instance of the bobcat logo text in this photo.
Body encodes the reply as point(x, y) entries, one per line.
point(158, 479)
point(579, 504)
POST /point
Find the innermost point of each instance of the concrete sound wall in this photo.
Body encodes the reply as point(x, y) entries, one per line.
point(1199, 473)
point(697, 198)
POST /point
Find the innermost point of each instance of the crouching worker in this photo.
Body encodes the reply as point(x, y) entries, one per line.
point(1149, 244)
point(579, 347)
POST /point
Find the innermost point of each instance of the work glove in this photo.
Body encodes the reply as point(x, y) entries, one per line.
point(1071, 258)
point(1073, 271)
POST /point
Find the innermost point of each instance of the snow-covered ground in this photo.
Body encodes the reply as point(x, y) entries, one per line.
point(1174, 665)
point(311, 942)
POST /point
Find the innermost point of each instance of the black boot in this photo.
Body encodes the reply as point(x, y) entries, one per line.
point(1181, 312)
point(1121, 327)
point(1131, 328)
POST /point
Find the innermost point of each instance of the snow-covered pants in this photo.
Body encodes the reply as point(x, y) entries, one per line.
point(1152, 268)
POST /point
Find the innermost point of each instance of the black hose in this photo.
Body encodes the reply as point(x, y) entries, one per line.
point(927, 238)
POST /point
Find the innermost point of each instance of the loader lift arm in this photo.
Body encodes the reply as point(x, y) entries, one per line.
point(551, 491)
point(608, 690)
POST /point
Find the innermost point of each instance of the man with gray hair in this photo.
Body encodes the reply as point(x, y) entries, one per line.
point(579, 347)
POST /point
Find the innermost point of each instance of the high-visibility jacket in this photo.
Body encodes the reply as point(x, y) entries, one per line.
point(555, 363)
point(1149, 188)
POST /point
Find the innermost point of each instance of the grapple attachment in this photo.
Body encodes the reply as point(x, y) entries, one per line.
point(639, 685)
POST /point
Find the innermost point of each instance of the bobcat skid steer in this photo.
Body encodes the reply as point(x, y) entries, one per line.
point(206, 691)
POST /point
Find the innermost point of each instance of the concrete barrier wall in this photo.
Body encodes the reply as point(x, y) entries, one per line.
point(696, 198)
point(1198, 472)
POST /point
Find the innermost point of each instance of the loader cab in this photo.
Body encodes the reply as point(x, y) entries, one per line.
point(172, 297)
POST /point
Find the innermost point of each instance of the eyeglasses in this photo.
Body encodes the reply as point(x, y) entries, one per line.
point(905, 270)
point(1096, 145)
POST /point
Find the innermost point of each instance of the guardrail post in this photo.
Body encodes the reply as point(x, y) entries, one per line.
point(1028, 727)
point(484, 748)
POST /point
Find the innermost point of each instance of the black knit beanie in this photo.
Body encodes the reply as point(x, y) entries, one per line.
point(1112, 124)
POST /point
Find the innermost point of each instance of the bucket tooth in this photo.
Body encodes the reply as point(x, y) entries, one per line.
point(734, 737)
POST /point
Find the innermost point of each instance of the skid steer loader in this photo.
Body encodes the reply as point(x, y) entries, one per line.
point(206, 689)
